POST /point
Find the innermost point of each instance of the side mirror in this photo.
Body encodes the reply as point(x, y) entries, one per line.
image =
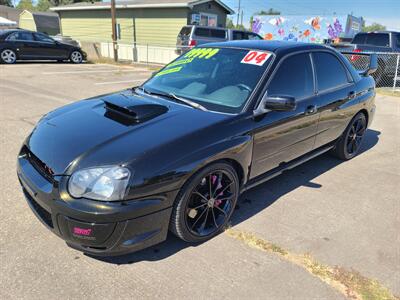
point(280, 103)
point(275, 103)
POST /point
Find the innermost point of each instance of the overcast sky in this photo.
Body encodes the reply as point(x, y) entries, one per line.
point(386, 12)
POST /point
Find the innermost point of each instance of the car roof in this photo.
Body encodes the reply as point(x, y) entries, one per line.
point(271, 46)
point(9, 30)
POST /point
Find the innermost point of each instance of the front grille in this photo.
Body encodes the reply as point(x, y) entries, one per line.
point(40, 166)
point(44, 215)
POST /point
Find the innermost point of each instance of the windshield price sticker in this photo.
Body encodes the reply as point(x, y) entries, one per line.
point(197, 53)
point(206, 53)
point(257, 58)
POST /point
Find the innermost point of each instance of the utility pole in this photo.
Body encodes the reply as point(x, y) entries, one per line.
point(114, 30)
point(238, 14)
point(241, 18)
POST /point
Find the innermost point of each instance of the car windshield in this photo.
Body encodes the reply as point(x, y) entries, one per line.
point(219, 79)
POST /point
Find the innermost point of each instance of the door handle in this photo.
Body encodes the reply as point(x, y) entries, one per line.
point(352, 95)
point(311, 109)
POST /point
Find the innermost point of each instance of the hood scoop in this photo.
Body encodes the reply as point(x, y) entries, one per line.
point(129, 111)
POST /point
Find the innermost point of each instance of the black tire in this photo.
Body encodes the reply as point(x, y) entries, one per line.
point(183, 223)
point(8, 56)
point(349, 144)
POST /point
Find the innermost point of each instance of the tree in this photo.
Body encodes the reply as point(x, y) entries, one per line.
point(65, 2)
point(43, 5)
point(373, 27)
point(26, 4)
point(231, 25)
point(6, 3)
point(269, 12)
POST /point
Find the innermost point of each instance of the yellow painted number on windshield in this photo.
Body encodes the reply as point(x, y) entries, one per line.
point(206, 53)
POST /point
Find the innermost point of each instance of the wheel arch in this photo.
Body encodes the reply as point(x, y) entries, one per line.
point(234, 163)
point(365, 112)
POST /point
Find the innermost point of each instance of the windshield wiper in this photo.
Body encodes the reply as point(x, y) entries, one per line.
point(175, 98)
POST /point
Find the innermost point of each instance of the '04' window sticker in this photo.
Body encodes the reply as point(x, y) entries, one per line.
point(257, 58)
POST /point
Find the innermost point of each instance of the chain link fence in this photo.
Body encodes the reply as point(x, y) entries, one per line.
point(388, 73)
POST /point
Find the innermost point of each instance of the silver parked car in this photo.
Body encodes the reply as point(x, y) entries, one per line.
point(194, 35)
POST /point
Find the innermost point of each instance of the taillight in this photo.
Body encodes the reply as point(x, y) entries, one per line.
point(192, 43)
point(355, 57)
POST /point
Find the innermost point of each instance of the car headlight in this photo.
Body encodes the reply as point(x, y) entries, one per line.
point(100, 183)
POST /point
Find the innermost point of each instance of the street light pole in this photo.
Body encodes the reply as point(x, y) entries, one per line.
point(114, 30)
point(238, 15)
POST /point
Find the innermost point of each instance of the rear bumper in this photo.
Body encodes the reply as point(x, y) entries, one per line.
point(95, 227)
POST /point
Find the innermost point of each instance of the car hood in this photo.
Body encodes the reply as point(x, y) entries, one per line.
point(112, 129)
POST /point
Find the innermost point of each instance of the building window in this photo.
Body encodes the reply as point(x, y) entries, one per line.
point(208, 20)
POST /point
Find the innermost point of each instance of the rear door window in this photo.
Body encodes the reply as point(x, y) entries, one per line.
point(378, 39)
point(294, 78)
point(20, 36)
point(330, 71)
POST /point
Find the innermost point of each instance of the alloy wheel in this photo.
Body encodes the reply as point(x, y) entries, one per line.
point(355, 136)
point(211, 203)
point(8, 56)
point(76, 57)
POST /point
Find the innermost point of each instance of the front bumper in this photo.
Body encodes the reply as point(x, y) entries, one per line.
point(94, 227)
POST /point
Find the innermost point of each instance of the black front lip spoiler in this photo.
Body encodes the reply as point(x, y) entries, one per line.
point(94, 227)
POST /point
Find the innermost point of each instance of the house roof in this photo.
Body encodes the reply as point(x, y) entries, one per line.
point(7, 22)
point(139, 4)
point(46, 19)
point(10, 13)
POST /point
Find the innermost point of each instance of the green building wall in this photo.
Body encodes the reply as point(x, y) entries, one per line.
point(143, 26)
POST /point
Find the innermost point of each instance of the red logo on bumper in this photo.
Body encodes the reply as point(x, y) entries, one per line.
point(82, 231)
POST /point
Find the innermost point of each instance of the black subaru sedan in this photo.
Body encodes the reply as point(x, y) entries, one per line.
point(18, 44)
point(112, 174)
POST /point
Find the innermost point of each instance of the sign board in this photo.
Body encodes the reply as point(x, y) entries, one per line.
point(306, 28)
point(195, 19)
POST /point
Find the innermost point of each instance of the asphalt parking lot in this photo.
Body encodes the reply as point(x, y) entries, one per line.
point(341, 214)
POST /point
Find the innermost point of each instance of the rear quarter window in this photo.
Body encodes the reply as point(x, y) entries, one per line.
point(185, 31)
